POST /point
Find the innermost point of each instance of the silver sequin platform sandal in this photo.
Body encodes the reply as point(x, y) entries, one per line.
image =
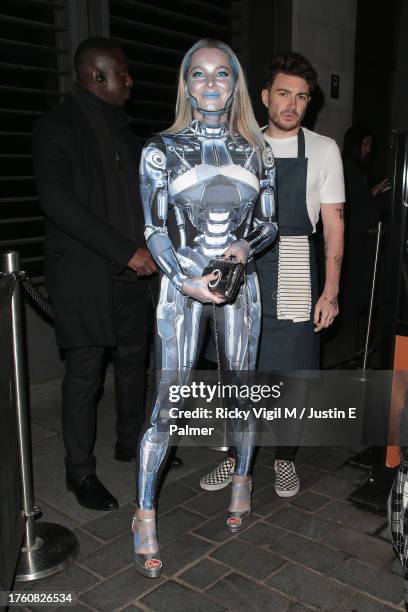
point(147, 564)
point(236, 520)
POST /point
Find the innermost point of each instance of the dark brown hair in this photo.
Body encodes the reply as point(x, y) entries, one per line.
point(294, 64)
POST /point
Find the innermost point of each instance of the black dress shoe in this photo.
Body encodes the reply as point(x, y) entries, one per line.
point(176, 462)
point(121, 455)
point(91, 493)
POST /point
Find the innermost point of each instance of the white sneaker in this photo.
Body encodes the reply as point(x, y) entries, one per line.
point(287, 482)
point(220, 477)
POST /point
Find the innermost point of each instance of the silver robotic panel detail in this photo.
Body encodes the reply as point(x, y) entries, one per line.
point(202, 190)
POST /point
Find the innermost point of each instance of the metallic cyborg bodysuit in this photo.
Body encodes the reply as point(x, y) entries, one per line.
point(202, 190)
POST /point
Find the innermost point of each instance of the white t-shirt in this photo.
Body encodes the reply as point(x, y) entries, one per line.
point(325, 180)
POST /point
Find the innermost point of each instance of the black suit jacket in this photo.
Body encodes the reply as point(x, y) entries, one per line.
point(82, 249)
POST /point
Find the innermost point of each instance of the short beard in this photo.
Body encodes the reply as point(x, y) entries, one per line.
point(284, 126)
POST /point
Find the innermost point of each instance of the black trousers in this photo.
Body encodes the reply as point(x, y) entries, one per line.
point(84, 368)
point(287, 453)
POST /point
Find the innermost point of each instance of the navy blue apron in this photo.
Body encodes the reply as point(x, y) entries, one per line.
point(284, 344)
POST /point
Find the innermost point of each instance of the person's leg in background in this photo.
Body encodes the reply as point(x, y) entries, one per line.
point(289, 433)
point(287, 482)
point(133, 310)
point(296, 350)
point(82, 380)
point(221, 476)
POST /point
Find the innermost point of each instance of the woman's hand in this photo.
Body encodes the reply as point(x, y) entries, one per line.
point(239, 250)
point(196, 287)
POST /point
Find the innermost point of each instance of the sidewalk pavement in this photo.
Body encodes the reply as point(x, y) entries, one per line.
point(313, 552)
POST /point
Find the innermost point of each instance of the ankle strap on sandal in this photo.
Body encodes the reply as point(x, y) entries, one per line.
point(144, 520)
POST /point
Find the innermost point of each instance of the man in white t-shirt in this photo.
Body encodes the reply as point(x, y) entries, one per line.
point(310, 184)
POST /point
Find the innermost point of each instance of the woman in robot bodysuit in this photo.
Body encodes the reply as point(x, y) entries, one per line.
point(207, 186)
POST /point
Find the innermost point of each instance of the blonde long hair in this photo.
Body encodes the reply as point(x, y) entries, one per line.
point(241, 115)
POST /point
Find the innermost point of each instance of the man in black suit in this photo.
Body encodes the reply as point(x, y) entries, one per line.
point(97, 267)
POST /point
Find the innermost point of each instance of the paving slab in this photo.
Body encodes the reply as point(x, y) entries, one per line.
point(262, 476)
point(176, 522)
point(314, 551)
point(182, 552)
point(110, 525)
point(238, 593)
point(204, 573)
point(304, 453)
point(351, 474)
point(329, 459)
point(174, 596)
point(262, 534)
point(50, 446)
point(310, 588)
point(210, 503)
point(362, 603)
point(334, 487)
point(216, 529)
point(78, 607)
point(373, 551)
point(349, 515)
point(192, 479)
point(119, 590)
point(73, 579)
point(380, 583)
point(309, 476)
point(173, 495)
point(266, 501)
point(309, 525)
point(45, 401)
point(310, 501)
point(87, 543)
point(249, 560)
point(384, 534)
point(110, 558)
point(53, 515)
point(314, 555)
point(395, 565)
point(38, 433)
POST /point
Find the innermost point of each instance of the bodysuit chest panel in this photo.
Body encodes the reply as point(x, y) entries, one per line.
point(213, 186)
point(198, 167)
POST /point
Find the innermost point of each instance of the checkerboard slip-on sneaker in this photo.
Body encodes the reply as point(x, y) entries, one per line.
point(220, 477)
point(287, 482)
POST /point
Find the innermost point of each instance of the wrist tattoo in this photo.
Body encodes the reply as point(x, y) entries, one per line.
point(332, 301)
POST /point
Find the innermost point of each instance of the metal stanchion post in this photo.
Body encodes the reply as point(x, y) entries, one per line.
point(47, 547)
point(371, 303)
